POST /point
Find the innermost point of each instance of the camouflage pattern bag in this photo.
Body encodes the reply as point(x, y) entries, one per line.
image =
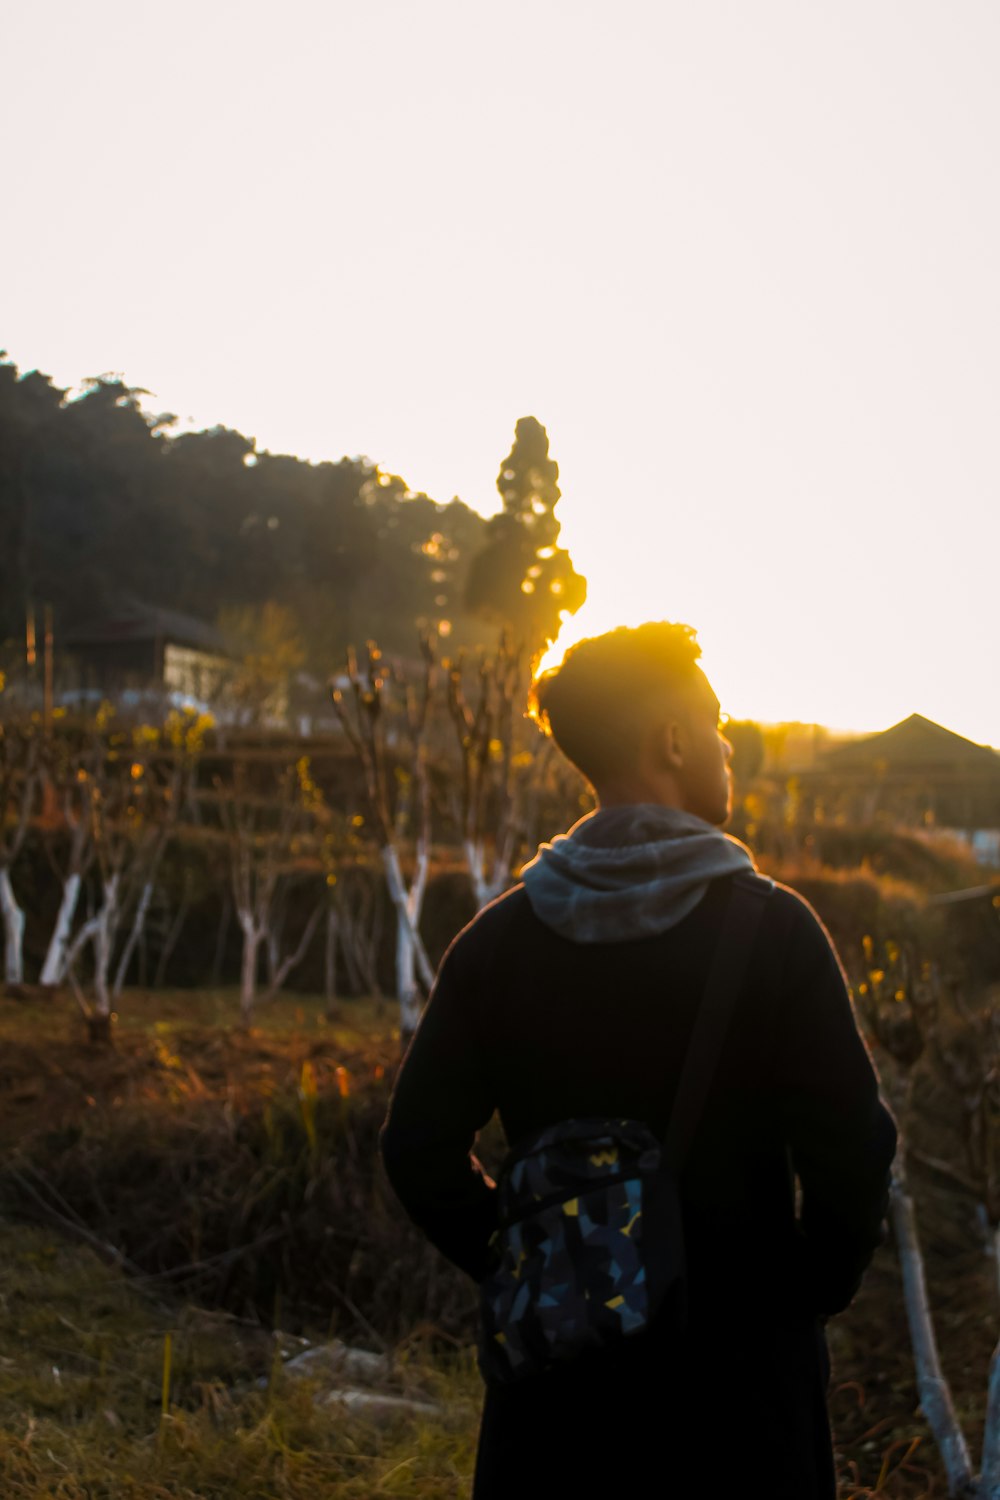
point(590, 1245)
point(580, 1204)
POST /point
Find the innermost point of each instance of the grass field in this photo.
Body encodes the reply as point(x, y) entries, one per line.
point(88, 1407)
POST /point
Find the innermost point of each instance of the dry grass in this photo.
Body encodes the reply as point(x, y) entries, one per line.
point(198, 1143)
point(82, 1410)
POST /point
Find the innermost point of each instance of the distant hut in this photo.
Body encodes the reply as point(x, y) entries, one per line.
point(916, 772)
point(133, 644)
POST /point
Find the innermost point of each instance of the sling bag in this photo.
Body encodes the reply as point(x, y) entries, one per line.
point(590, 1243)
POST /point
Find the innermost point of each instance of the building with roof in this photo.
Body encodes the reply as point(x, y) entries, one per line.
point(917, 773)
point(134, 644)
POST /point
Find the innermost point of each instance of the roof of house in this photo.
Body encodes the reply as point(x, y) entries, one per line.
point(913, 743)
point(135, 620)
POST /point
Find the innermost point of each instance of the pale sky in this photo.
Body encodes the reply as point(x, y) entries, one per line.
point(740, 259)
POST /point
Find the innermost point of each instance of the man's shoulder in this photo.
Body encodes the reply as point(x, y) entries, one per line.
point(792, 908)
point(495, 921)
point(797, 910)
point(795, 927)
point(787, 913)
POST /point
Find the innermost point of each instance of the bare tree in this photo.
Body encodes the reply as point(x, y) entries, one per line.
point(265, 837)
point(19, 779)
point(173, 753)
point(133, 800)
point(353, 925)
point(925, 1025)
point(385, 706)
point(488, 800)
point(68, 771)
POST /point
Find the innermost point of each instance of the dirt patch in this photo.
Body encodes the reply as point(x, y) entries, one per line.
point(175, 1048)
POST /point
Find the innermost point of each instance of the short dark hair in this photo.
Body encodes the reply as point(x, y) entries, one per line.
point(595, 703)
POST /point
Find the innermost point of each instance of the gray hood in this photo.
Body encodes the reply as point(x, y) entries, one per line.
point(628, 872)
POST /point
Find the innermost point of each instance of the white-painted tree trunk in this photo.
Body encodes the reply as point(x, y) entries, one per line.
point(253, 936)
point(407, 992)
point(484, 888)
point(272, 948)
point(135, 933)
point(13, 930)
point(411, 955)
point(54, 967)
point(104, 938)
point(933, 1388)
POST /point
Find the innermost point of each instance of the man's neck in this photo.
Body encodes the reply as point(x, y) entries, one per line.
point(661, 791)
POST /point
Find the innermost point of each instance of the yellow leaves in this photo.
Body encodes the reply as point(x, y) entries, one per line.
point(137, 770)
point(868, 947)
point(307, 1103)
point(312, 796)
point(166, 1058)
point(187, 729)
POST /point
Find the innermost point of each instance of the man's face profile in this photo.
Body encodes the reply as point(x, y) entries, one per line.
point(703, 774)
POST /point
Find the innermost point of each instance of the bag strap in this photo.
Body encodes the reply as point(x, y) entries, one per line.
point(744, 909)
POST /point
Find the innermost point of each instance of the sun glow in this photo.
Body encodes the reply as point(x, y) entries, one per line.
point(770, 384)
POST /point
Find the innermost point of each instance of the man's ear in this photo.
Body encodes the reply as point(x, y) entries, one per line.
point(670, 740)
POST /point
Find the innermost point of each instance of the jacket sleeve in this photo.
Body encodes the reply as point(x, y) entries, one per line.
point(840, 1136)
point(442, 1098)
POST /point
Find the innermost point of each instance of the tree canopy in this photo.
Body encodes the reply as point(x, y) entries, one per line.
point(521, 578)
point(100, 500)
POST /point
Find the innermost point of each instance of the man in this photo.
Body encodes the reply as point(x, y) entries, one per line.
point(574, 995)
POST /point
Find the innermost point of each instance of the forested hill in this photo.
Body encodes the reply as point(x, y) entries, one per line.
point(99, 500)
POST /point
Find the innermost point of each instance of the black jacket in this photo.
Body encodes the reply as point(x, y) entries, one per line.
point(542, 1029)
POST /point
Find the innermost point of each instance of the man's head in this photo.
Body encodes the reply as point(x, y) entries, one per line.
point(635, 714)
